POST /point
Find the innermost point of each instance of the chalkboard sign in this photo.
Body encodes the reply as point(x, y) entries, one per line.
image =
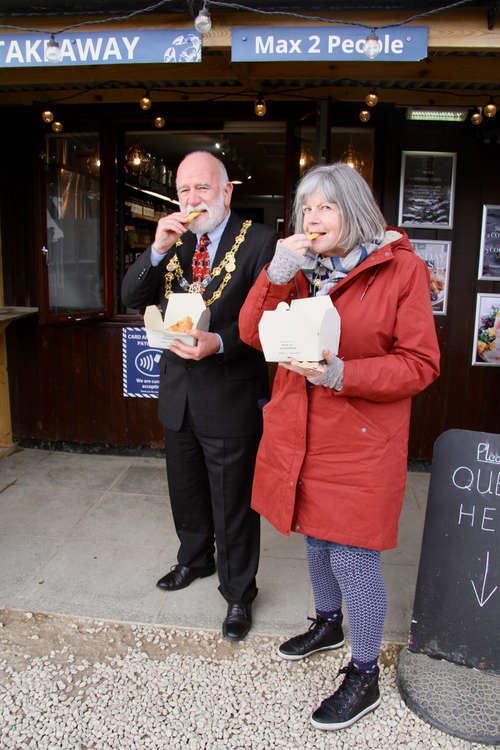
point(456, 614)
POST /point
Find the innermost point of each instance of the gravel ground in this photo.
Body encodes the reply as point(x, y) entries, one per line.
point(69, 683)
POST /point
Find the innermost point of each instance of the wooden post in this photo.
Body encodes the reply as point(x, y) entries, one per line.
point(5, 425)
point(7, 314)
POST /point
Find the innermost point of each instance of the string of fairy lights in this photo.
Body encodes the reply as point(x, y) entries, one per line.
point(203, 24)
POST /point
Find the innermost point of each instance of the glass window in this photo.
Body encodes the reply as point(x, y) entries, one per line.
point(255, 158)
point(74, 251)
point(354, 146)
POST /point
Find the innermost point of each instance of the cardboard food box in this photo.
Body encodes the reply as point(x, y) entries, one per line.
point(180, 307)
point(300, 330)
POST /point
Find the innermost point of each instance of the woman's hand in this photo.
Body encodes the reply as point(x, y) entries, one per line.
point(299, 243)
point(314, 370)
point(287, 259)
point(329, 373)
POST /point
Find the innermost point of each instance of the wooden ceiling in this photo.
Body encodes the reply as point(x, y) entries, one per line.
point(462, 67)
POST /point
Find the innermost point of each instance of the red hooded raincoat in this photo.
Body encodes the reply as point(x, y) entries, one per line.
point(332, 464)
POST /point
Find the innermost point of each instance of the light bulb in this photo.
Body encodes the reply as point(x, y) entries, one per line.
point(203, 22)
point(373, 45)
point(490, 109)
point(477, 117)
point(47, 115)
point(159, 122)
point(145, 101)
point(260, 108)
point(57, 127)
point(371, 99)
point(352, 158)
point(364, 115)
point(52, 50)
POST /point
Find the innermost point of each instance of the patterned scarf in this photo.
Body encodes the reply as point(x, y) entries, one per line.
point(323, 272)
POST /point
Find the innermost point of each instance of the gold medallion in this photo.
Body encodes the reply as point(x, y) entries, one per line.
point(228, 264)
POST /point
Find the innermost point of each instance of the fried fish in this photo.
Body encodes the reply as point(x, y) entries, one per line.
point(182, 326)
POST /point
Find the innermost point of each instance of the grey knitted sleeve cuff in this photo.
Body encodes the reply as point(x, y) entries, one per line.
point(333, 377)
point(284, 265)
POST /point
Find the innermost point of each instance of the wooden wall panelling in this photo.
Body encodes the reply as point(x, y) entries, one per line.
point(143, 426)
point(77, 347)
point(24, 375)
point(107, 421)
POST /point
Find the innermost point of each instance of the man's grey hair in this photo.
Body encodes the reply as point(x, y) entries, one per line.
point(362, 219)
point(224, 178)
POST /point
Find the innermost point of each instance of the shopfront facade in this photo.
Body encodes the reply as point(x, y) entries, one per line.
point(79, 203)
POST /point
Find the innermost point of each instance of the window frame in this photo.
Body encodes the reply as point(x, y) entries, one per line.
point(107, 232)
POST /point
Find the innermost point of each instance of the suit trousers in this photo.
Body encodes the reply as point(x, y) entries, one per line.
point(210, 486)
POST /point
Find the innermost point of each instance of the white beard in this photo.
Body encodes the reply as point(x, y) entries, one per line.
point(208, 221)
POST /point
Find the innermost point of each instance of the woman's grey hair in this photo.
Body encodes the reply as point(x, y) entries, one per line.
point(362, 219)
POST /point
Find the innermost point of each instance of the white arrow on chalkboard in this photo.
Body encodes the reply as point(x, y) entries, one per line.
point(480, 599)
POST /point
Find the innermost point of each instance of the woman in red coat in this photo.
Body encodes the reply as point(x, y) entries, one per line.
point(332, 461)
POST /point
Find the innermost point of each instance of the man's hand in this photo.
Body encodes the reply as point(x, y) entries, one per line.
point(206, 344)
point(168, 231)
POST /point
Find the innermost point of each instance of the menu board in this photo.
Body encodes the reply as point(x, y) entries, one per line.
point(456, 613)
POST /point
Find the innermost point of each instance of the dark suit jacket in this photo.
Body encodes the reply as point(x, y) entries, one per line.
point(222, 390)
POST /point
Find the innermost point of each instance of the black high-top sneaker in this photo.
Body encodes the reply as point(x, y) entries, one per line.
point(357, 695)
point(322, 635)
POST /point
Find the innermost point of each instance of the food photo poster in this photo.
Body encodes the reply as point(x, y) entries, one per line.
point(489, 257)
point(427, 189)
point(436, 256)
point(486, 349)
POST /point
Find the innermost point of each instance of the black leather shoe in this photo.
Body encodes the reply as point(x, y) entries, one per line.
point(238, 621)
point(181, 576)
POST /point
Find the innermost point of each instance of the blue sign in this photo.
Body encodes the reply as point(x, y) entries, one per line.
point(141, 374)
point(101, 48)
point(251, 44)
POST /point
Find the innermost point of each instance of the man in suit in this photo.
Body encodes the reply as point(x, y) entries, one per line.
point(210, 393)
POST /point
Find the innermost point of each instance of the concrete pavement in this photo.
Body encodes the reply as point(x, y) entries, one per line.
point(89, 535)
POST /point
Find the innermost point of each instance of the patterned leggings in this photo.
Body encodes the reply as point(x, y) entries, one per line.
point(353, 574)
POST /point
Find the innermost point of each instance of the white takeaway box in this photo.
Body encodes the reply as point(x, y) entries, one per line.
point(179, 306)
point(300, 330)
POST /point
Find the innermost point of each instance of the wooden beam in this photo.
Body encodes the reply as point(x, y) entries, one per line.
point(448, 30)
point(459, 29)
point(462, 29)
point(218, 67)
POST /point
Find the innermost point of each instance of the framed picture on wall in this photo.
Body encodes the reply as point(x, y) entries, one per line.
point(489, 257)
point(486, 349)
point(427, 189)
point(436, 255)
